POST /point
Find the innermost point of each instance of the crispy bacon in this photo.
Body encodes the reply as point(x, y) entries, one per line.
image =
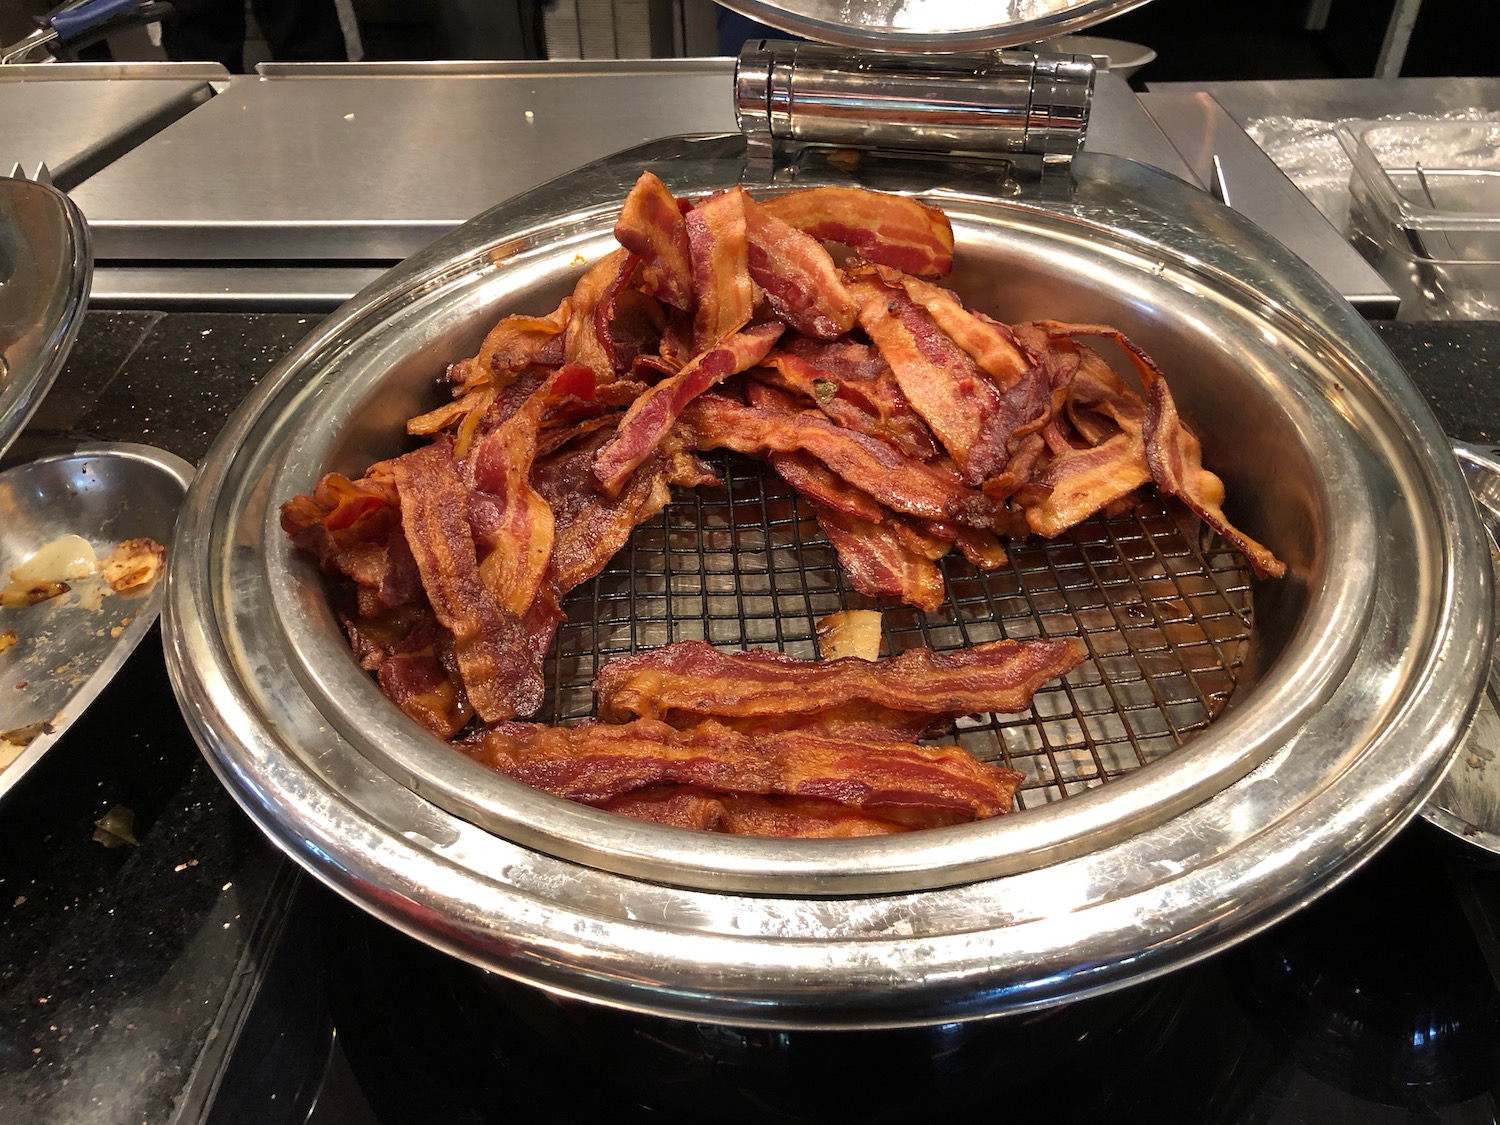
point(879, 561)
point(1176, 466)
point(591, 526)
point(960, 404)
point(413, 660)
point(854, 385)
point(990, 344)
point(803, 286)
point(1080, 482)
point(719, 247)
point(418, 683)
point(897, 481)
point(493, 649)
point(353, 529)
point(512, 345)
point(825, 488)
point(651, 226)
point(982, 548)
point(598, 763)
point(881, 554)
point(652, 415)
point(567, 431)
point(893, 230)
point(683, 682)
point(587, 341)
point(511, 522)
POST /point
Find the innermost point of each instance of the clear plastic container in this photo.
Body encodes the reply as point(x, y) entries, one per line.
point(1424, 208)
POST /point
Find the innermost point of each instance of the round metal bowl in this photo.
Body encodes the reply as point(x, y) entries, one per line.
point(1360, 673)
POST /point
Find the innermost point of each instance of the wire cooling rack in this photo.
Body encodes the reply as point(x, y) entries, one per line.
point(1166, 620)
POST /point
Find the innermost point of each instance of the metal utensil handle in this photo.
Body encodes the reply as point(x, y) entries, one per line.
point(990, 102)
point(74, 19)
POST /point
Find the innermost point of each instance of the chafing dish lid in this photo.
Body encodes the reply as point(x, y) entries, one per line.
point(929, 25)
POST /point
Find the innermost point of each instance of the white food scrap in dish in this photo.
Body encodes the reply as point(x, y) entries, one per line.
point(69, 562)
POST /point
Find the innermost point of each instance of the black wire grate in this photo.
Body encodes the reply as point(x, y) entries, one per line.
point(1166, 621)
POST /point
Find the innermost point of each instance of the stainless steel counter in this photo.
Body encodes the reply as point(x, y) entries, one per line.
point(76, 119)
point(360, 164)
point(297, 186)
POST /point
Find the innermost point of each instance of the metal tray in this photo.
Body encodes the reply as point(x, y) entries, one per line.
point(67, 649)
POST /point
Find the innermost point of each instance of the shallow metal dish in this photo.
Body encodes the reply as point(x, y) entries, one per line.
point(67, 649)
point(1361, 669)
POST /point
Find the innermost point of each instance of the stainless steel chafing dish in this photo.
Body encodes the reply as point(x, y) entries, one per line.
point(1231, 749)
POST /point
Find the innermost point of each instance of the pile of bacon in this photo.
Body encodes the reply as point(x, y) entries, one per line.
point(910, 424)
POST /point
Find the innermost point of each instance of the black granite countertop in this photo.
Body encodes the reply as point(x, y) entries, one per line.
point(122, 968)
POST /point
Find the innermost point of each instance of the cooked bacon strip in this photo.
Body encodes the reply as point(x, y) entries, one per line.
point(493, 649)
point(418, 683)
point(881, 554)
point(960, 404)
point(932, 539)
point(683, 682)
point(353, 529)
point(894, 230)
point(630, 325)
point(982, 548)
point(1080, 482)
point(1027, 396)
point(989, 343)
point(854, 385)
point(650, 417)
point(877, 560)
point(432, 421)
point(513, 344)
point(594, 294)
point(1171, 454)
point(413, 660)
point(743, 815)
point(592, 527)
point(598, 763)
point(803, 286)
point(720, 251)
point(897, 481)
point(511, 522)
point(1093, 469)
point(825, 488)
point(651, 226)
point(1176, 464)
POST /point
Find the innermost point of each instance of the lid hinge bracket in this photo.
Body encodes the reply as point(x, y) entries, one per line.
point(1017, 105)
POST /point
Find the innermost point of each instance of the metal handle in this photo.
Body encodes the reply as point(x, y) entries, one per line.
point(991, 102)
point(81, 16)
point(79, 24)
